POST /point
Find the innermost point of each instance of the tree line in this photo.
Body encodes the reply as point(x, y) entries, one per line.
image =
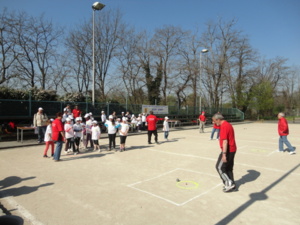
point(145, 67)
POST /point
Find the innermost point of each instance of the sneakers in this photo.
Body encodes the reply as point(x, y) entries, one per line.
point(279, 151)
point(45, 156)
point(292, 153)
point(229, 188)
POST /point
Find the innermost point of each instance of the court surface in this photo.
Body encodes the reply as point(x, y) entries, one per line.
point(174, 182)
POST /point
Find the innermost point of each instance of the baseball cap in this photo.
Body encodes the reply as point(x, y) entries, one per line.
point(41, 108)
point(110, 117)
point(94, 122)
point(68, 119)
point(166, 118)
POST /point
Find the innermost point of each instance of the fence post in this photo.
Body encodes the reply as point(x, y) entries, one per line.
point(29, 104)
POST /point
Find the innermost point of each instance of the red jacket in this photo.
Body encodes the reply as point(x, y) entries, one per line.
point(283, 127)
point(202, 118)
point(151, 121)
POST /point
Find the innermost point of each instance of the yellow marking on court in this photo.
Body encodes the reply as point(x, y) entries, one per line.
point(187, 184)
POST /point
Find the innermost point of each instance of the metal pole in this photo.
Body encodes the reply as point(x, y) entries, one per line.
point(93, 88)
point(200, 88)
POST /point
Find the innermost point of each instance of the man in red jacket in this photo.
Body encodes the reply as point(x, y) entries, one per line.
point(152, 129)
point(283, 131)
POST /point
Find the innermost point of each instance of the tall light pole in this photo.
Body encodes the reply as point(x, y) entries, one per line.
point(96, 6)
point(200, 78)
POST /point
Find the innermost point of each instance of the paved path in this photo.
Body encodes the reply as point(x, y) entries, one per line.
point(140, 186)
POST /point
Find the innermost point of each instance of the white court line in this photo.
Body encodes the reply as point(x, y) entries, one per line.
point(211, 159)
point(26, 214)
point(168, 200)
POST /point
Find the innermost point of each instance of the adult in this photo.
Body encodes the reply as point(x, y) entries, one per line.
point(228, 147)
point(143, 121)
point(215, 128)
point(202, 121)
point(103, 120)
point(152, 128)
point(76, 112)
point(40, 122)
point(283, 131)
point(58, 135)
point(128, 115)
point(68, 109)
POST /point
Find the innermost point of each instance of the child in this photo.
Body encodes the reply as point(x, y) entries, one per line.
point(48, 139)
point(77, 127)
point(96, 133)
point(88, 126)
point(111, 130)
point(69, 132)
point(123, 134)
point(166, 128)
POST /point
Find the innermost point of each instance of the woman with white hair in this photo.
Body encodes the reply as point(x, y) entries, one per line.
point(40, 122)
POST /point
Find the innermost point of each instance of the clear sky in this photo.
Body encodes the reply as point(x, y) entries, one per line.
point(273, 26)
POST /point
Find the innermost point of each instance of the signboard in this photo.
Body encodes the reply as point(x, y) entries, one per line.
point(157, 109)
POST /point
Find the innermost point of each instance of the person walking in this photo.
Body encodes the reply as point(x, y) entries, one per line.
point(152, 120)
point(58, 136)
point(215, 128)
point(48, 139)
point(40, 123)
point(228, 147)
point(202, 121)
point(166, 128)
point(123, 132)
point(283, 131)
point(96, 133)
point(112, 127)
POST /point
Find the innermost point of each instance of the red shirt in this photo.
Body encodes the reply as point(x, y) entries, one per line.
point(57, 127)
point(283, 127)
point(216, 126)
point(227, 133)
point(151, 121)
point(76, 113)
point(202, 118)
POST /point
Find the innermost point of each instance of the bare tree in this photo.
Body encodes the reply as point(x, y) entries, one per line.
point(8, 55)
point(165, 46)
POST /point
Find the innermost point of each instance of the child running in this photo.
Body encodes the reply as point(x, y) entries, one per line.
point(96, 133)
point(78, 129)
point(111, 126)
point(166, 128)
point(123, 134)
point(48, 139)
point(69, 136)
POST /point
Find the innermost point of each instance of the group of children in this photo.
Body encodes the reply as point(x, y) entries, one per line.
point(78, 134)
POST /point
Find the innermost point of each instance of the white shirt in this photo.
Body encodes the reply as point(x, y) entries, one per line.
point(77, 127)
point(143, 119)
point(88, 126)
point(124, 129)
point(111, 129)
point(48, 133)
point(96, 133)
point(166, 126)
point(103, 118)
point(69, 132)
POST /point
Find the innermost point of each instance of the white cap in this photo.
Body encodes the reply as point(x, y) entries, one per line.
point(41, 108)
point(94, 122)
point(71, 117)
point(166, 118)
point(102, 111)
point(65, 109)
point(68, 119)
point(110, 117)
point(91, 114)
point(86, 115)
point(78, 119)
point(132, 115)
point(51, 120)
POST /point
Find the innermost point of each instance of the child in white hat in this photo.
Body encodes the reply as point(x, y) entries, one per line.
point(166, 128)
point(69, 132)
point(96, 133)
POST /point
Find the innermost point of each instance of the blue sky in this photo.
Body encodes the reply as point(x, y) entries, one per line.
point(272, 25)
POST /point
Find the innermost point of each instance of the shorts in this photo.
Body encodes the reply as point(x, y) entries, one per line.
point(96, 142)
point(123, 139)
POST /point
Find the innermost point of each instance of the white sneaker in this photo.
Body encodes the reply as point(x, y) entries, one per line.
point(279, 151)
point(66, 152)
point(292, 153)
